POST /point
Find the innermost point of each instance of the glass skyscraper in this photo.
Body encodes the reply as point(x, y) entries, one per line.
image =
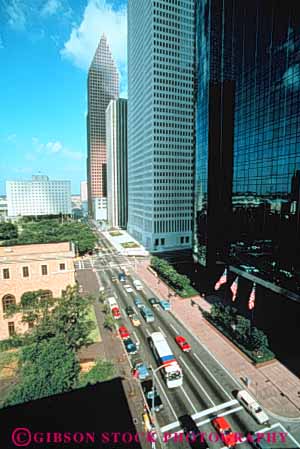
point(103, 86)
point(247, 202)
point(161, 122)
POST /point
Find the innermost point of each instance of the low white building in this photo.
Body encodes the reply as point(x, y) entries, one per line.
point(39, 196)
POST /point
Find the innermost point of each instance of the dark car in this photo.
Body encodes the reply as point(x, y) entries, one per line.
point(147, 387)
point(154, 302)
point(130, 347)
point(192, 433)
point(129, 310)
point(122, 277)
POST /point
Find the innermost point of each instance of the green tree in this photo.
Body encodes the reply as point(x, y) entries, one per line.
point(258, 340)
point(48, 367)
point(109, 322)
point(8, 231)
point(243, 329)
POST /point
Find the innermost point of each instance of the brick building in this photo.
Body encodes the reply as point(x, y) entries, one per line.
point(24, 268)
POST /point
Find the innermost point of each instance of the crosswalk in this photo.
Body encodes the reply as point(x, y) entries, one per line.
point(204, 413)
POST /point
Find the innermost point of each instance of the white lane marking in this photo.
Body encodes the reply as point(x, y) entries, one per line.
point(291, 436)
point(215, 409)
point(231, 411)
point(136, 339)
point(176, 331)
point(91, 262)
point(188, 399)
point(197, 381)
point(148, 333)
point(201, 423)
point(211, 374)
point(162, 331)
point(165, 395)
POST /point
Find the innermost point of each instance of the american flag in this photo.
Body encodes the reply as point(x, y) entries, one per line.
point(234, 288)
point(251, 302)
point(222, 280)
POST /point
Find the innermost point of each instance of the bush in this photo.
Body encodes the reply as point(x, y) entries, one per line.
point(180, 283)
point(239, 330)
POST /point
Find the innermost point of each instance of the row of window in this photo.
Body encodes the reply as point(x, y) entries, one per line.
point(26, 273)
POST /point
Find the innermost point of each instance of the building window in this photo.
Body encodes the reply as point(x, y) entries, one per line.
point(7, 301)
point(6, 273)
point(30, 324)
point(11, 328)
point(181, 239)
point(156, 243)
point(25, 271)
point(62, 266)
point(162, 241)
point(187, 239)
point(44, 270)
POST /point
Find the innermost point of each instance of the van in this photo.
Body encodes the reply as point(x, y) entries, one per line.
point(147, 314)
point(253, 407)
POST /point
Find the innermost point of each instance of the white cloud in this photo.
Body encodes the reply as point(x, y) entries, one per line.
point(15, 10)
point(53, 148)
point(99, 17)
point(51, 7)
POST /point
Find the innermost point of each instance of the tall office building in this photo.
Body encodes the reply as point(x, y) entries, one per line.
point(103, 86)
point(40, 196)
point(161, 123)
point(248, 137)
point(117, 180)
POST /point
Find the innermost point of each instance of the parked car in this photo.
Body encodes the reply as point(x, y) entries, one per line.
point(147, 314)
point(141, 368)
point(114, 279)
point(123, 331)
point(138, 302)
point(129, 310)
point(122, 277)
point(138, 285)
point(147, 387)
point(190, 430)
point(135, 321)
point(182, 343)
point(128, 288)
point(224, 429)
point(130, 347)
point(165, 305)
point(154, 302)
point(253, 407)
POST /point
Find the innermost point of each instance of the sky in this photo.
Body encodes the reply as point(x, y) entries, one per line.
point(46, 47)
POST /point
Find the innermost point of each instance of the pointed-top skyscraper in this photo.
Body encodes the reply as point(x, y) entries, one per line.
point(103, 86)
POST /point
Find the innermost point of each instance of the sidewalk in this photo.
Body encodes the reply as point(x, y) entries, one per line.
point(273, 385)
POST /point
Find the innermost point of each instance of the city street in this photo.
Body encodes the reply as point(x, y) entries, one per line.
point(208, 389)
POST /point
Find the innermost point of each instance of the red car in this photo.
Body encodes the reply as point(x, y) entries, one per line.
point(224, 429)
point(182, 343)
point(123, 331)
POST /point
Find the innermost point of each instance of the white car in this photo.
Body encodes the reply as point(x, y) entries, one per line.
point(128, 288)
point(137, 284)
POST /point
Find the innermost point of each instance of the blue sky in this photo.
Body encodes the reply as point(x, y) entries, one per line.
point(46, 47)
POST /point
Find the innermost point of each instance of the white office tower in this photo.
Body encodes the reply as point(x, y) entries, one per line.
point(161, 122)
point(40, 196)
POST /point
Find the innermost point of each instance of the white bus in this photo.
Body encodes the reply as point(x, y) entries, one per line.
point(172, 371)
point(114, 308)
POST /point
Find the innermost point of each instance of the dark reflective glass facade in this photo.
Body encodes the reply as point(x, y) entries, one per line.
point(248, 137)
